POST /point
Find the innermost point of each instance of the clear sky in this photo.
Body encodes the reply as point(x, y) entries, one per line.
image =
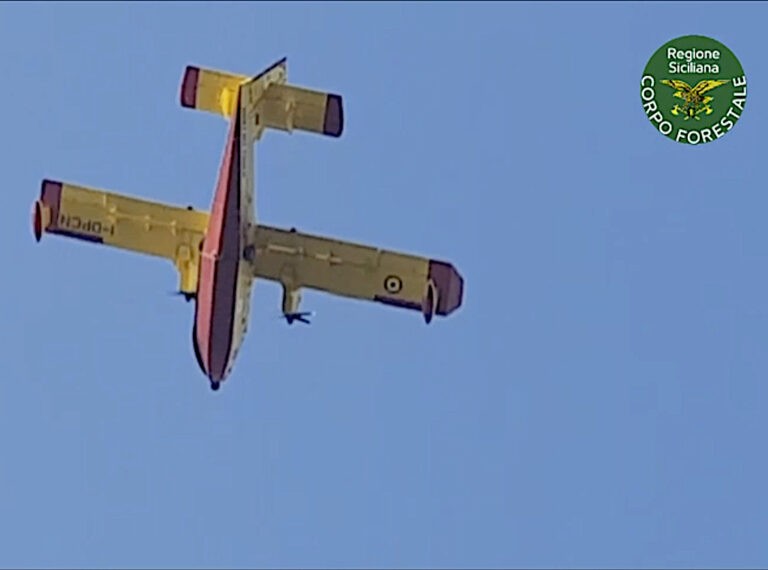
point(599, 400)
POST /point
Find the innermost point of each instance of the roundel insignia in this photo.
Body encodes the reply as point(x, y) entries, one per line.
point(393, 284)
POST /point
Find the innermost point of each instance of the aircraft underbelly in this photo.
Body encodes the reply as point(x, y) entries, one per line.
point(224, 287)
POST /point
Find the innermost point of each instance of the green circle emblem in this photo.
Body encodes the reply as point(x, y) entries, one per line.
point(693, 90)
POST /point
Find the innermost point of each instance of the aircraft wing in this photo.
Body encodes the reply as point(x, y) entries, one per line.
point(120, 221)
point(358, 271)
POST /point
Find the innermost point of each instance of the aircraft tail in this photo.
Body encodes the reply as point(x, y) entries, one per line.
point(276, 104)
point(210, 90)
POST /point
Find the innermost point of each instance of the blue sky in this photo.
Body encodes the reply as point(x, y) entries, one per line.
point(599, 400)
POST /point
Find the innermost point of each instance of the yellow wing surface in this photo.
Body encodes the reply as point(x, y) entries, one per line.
point(124, 222)
point(294, 259)
point(347, 269)
point(273, 103)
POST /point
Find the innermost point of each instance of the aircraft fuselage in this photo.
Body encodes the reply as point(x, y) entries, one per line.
point(224, 285)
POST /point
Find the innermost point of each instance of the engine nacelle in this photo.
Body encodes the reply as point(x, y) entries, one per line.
point(41, 219)
point(429, 302)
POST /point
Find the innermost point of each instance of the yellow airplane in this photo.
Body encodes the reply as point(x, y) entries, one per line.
point(219, 254)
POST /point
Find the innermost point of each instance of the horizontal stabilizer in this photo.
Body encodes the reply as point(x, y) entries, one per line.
point(288, 108)
point(274, 103)
point(210, 90)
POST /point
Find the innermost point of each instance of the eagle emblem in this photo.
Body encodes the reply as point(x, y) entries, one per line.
point(695, 102)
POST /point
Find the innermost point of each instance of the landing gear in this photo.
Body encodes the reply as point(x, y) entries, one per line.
point(215, 386)
point(291, 302)
point(301, 317)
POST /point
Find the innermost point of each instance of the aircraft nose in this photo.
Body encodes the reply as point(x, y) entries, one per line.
point(214, 379)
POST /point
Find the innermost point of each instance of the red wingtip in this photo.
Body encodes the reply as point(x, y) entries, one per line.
point(450, 286)
point(189, 87)
point(333, 123)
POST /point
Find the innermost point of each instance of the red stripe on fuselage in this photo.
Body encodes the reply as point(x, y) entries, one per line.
point(216, 293)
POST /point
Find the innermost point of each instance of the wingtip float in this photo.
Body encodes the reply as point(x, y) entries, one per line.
point(218, 254)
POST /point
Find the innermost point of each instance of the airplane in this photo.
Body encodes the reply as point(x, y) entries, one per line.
point(219, 254)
